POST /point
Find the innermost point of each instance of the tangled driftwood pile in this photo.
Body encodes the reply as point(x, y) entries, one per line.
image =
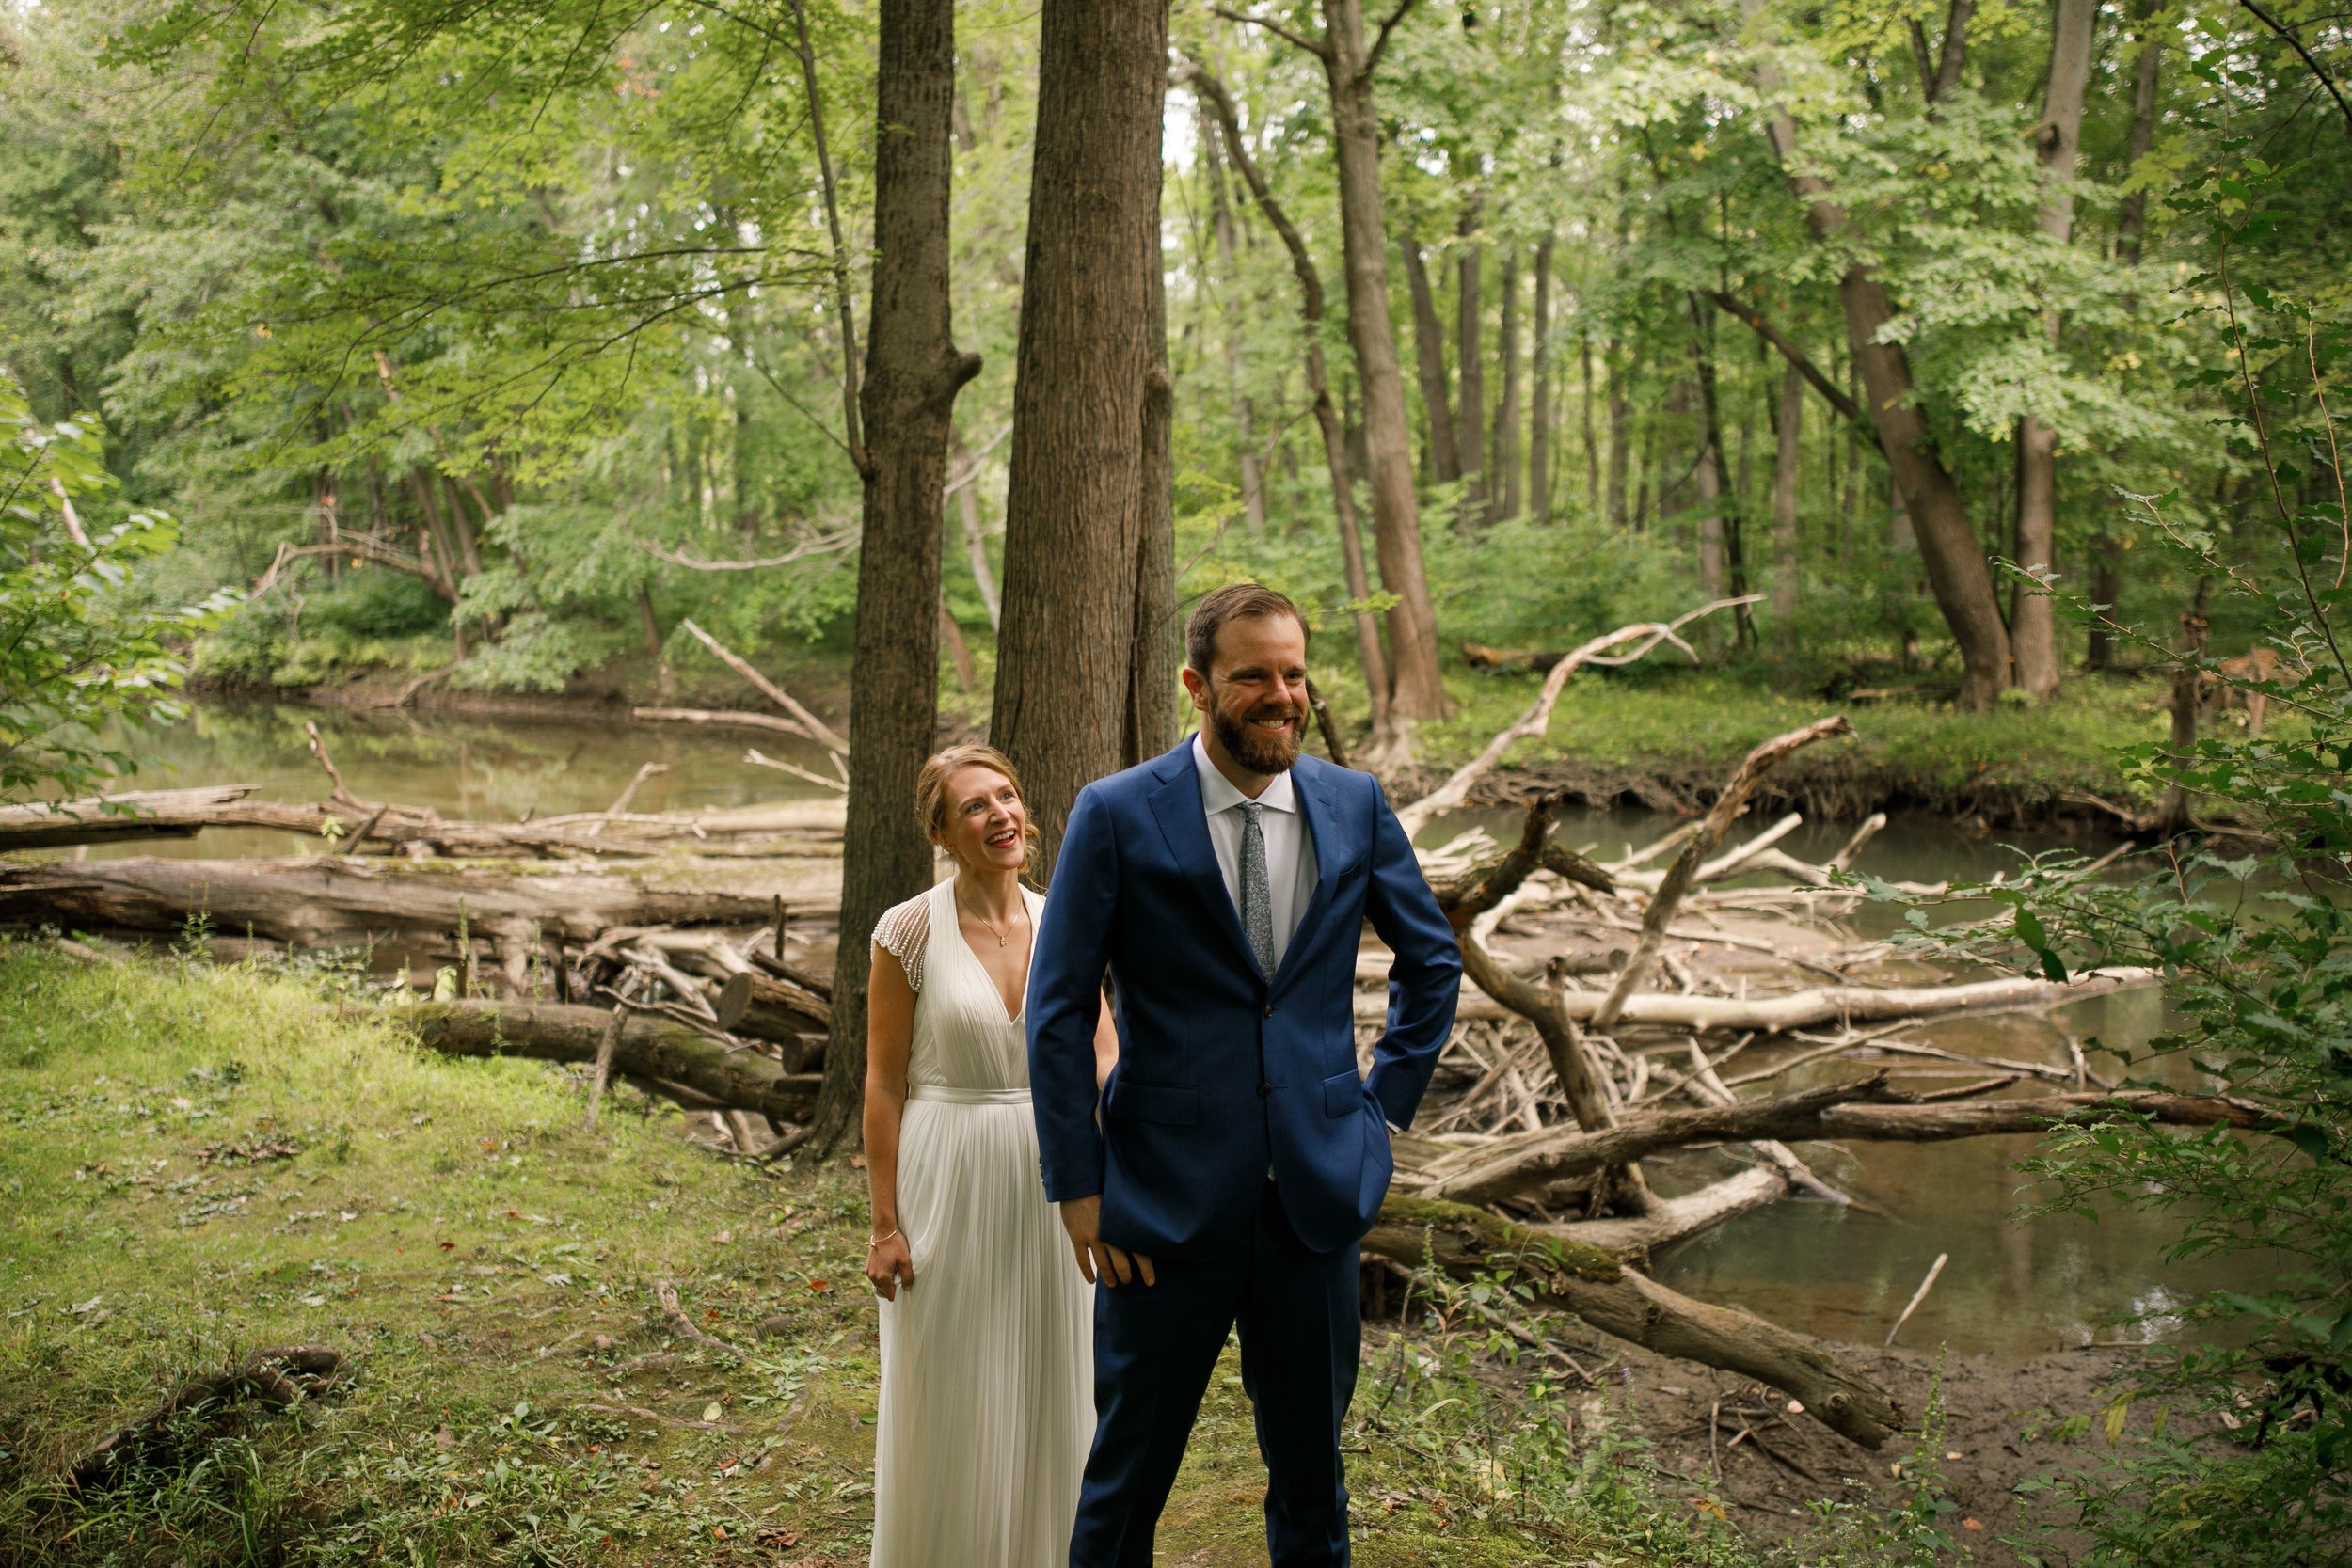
point(1606, 1007)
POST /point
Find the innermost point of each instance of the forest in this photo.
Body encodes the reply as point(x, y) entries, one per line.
point(1826, 522)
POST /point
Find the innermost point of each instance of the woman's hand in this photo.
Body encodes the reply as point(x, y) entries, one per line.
point(890, 1263)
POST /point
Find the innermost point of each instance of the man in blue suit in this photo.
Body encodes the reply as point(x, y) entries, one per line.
point(1236, 1158)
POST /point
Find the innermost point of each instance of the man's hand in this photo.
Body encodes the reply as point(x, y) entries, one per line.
point(1097, 1259)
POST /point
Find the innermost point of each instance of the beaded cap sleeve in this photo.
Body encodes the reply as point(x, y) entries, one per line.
point(904, 932)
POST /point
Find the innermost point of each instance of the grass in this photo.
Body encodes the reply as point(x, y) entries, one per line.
point(200, 1162)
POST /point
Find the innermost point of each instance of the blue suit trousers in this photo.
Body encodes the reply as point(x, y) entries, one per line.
point(1155, 1349)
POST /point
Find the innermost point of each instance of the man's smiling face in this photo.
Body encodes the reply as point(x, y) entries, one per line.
point(1255, 693)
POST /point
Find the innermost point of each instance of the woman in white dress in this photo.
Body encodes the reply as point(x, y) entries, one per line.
point(986, 1334)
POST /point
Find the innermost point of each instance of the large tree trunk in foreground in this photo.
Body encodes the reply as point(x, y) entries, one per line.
point(658, 1050)
point(1436, 401)
point(1417, 692)
point(2033, 616)
point(1618, 1301)
point(912, 374)
point(1078, 508)
point(1957, 573)
point(1311, 308)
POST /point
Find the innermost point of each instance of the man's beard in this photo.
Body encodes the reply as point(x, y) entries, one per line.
point(1252, 747)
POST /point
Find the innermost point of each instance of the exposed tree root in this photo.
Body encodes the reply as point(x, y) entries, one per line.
point(199, 1407)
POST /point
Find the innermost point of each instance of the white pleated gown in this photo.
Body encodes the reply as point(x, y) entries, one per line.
point(988, 1362)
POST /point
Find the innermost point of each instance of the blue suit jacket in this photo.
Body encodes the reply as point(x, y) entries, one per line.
point(1223, 1072)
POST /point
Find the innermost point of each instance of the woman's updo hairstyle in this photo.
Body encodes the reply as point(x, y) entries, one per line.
point(930, 791)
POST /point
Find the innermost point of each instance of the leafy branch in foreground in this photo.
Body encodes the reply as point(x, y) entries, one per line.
point(71, 653)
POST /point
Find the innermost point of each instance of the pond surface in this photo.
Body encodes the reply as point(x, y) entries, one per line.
point(2009, 1290)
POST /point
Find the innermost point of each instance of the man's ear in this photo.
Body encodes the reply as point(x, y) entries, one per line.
point(1196, 688)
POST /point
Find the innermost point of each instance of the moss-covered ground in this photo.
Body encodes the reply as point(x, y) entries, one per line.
point(197, 1163)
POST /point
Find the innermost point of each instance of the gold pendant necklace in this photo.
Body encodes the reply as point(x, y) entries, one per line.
point(991, 930)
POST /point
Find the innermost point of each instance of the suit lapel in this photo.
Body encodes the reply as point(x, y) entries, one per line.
point(1323, 828)
point(1176, 805)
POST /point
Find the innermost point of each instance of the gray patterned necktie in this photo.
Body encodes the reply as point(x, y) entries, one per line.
point(1257, 899)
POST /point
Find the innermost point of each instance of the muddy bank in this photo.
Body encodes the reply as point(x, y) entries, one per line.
point(1838, 787)
point(1999, 1429)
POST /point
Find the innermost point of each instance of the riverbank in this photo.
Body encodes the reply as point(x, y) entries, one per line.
point(205, 1162)
point(1653, 736)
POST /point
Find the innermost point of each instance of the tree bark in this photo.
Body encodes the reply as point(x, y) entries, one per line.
point(1429, 346)
point(2033, 616)
point(1417, 690)
point(1504, 490)
point(1787, 427)
point(1620, 436)
point(1237, 384)
point(907, 407)
point(1311, 311)
point(2131, 229)
point(1955, 563)
point(1470, 407)
point(1079, 504)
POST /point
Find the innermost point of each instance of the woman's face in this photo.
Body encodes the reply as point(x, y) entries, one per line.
point(985, 822)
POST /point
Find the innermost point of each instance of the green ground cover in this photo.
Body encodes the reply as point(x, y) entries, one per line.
point(201, 1163)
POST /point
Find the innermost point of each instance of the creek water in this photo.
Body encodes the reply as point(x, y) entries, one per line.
point(2009, 1288)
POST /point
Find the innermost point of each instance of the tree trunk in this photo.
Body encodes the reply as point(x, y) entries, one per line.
point(1504, 489)
point(2131, 227)
point(1938, 516)
point(2189, 682)
point(907, 410)
point(1237, 384)
point(1079, 504)
point(1417, 690)
point(2033, 616)
point(1620, 437)
point(1787, 427)
point(975, 540)
point(1157, 645)
point(1470, 407)
point(1429, 346)
point(1311, 311)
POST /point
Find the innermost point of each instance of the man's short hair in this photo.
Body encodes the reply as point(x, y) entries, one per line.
point(1235, 601)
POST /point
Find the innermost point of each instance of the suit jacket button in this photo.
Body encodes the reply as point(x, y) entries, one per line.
point(1269, 1010)
point(1265, 1091)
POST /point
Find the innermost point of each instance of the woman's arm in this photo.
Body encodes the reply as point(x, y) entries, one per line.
point(889, 1035)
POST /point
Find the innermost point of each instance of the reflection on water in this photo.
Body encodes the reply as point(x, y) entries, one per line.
point(485, 768)
point(1843, 1274)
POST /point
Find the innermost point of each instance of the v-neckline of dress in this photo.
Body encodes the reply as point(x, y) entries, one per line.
point(955, 908)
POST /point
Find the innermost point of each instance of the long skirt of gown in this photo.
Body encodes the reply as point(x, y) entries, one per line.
point(988, 1362)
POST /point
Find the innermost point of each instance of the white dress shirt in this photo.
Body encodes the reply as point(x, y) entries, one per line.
point(1290, 849)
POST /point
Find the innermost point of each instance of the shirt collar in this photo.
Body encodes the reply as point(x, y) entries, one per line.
point(1217, 792)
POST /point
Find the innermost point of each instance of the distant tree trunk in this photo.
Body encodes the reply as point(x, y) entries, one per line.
point(975, 540)
point(1470, 407)
point(1158, 645)
point(1787, 426)
point(645, 621)
point(1504, 487)
point(1542, 438)
point(2189, 682)
point(2033, 617)
point(1244, 436)
point(1311, 308)
point(1088, 382)
point(1730, 564)
point(1429, 348)
point(1417, 692)
point(959, 652)
point(907, 406)
point(1592, 441)
point(2131, 221)
point(1938, 516)
point(1620, 436)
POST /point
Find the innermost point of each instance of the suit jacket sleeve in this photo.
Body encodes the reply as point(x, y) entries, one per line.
point(1066, 1000)
point(1425, 978)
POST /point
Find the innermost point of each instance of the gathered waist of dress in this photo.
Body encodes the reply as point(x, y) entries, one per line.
point(948, 1095)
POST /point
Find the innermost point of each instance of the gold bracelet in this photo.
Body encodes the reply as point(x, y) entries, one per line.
point(880, 1240)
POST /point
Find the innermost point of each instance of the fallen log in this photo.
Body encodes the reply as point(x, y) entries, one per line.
point(327, 900)
point(1619, 1301)
point(1863, 1108)
point(201, 1406)
point(1803, 1009)
point(160, 814)
point(650, 1047)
